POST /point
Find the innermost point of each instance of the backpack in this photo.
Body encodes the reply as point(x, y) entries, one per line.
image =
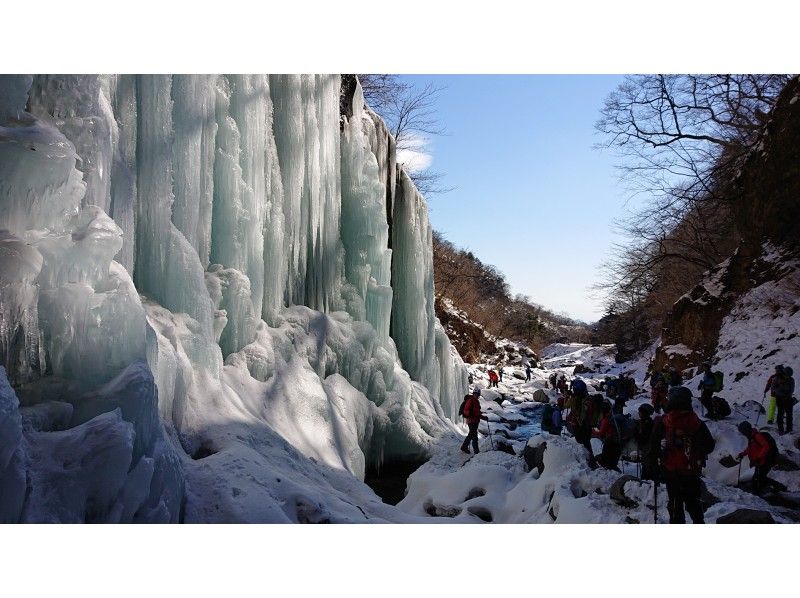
point(557, 420)
point(611, 388)
point(718, 381)
point(467, 408)
point(772, 456)
point(579, 386)
point(463, 404)
point(688, 444)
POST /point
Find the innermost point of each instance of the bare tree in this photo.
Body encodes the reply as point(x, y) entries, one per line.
point(677, 134)
point(680, 140)
point(410, 113)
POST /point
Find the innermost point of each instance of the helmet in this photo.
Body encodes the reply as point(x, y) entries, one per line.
point(745, 428)
point(476, 392)
point(787, 371)
point(680, 399)
point(646, 410)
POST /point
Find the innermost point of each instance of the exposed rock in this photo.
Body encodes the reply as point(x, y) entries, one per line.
point(534, 457)
point(746, 516)
point(540, 396)
point(617, 491)
point(786, 464)
point(504, 447)
point(435, 510)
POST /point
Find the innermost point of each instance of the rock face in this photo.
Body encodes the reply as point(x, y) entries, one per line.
point(765, 208)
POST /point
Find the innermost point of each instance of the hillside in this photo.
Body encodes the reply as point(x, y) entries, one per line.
point(481, 317)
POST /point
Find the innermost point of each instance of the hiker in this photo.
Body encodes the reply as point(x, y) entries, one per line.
point(552, 421)
point(658, 398)
point(655, 376)
point(612, 387)
point(783, 391)
point(578, 387)
point(493, 379)
point(527, 373)
point(581, 420)
point(626, 387)
point(470, 378)
point(762, 453)
point(471, 410)
point(675, 378)
point(562, 384)
point(554, 380)
point(609, 433)
point(706, 388)
point(500, 372)
point(684, 443)
point(642, 434)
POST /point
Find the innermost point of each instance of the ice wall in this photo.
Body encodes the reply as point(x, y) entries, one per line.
point(260, 250)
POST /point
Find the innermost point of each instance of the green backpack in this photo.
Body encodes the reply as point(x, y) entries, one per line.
point(718, 380)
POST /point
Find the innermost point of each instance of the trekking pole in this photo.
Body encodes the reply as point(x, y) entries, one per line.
point(655, 501)
point(491, 442)
point(759, 411)
point(739, 474)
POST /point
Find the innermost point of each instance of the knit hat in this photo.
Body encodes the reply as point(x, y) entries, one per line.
point(745, 428)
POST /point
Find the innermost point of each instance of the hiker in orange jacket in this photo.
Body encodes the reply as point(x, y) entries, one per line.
point(761, 453)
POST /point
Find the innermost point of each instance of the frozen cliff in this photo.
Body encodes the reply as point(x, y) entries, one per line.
point(216, 300)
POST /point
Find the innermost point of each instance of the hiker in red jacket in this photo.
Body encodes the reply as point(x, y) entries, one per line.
point(473, 415)
point(493, 378)
point(761, 453)
point(685, 443)
point(608, 433)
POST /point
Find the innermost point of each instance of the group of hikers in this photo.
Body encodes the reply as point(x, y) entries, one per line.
point(671, 448)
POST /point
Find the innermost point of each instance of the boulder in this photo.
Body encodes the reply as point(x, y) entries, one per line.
point(540, 396)
point(617, 491)
point(582, 369)
point(746, 516)
point(534, 457)
point(504, 447)
point(786, 464)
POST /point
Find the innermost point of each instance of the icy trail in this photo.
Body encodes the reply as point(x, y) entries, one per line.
point(496, 485)
point(220, 245)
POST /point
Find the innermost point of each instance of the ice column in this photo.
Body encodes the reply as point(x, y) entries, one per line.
point(167, 267)
point(305, 123)
point(365, 232)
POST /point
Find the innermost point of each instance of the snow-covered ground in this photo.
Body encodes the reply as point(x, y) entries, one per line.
point(496, 486)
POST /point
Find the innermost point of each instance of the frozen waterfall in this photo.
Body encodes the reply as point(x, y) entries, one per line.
point(197, 265)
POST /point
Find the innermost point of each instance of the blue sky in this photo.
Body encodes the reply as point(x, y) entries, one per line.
point(532, 196)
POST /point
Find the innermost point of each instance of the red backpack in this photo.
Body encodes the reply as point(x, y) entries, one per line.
point(688, 443)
